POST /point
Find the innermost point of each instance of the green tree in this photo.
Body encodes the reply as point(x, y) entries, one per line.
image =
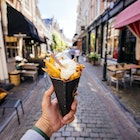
point(58, 43)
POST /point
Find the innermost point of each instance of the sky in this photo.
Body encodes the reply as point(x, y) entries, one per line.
point(64, 11)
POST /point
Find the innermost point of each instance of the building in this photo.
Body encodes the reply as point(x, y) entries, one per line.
point(23, 32)
point(95, 26)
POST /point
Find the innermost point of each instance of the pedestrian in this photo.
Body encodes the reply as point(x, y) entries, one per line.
point(50, 120)
point(77, 54)
point(72, 52)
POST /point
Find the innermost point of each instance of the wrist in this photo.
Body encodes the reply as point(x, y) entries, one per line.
point(44, 125)
point(39, 131)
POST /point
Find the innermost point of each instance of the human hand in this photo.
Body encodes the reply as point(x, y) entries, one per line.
point(51, 119)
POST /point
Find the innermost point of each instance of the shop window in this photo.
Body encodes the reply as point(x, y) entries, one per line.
point(11, 46)
point(129, 42)
point(92, 40)
point(112, 40)
point(98, 41)
point(112, 44)
point(12, 49)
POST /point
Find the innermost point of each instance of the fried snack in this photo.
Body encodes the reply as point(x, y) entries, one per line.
point(51, 60)
point(69, 70)
point(52, 70)
point(2, 95)
point(75, 75)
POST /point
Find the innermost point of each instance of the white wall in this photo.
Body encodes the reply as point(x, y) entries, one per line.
point(3, 64)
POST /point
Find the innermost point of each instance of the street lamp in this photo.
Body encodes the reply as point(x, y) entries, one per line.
point(106, 46)
point(105, 58)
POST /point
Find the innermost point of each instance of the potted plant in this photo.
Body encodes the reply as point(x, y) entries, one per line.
point(89, 56)
point(94, 57)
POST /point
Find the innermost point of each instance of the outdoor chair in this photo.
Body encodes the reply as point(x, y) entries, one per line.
point(135, 77)
point(118, 77)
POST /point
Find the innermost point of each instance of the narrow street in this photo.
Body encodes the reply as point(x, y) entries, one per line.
point(98, 117)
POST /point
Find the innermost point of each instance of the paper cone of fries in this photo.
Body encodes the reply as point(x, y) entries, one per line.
point(65, 91)
point(65, 74)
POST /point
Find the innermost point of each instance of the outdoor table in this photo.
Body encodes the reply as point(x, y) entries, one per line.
point(125, 67)
point(114, 70)
point(119, 67)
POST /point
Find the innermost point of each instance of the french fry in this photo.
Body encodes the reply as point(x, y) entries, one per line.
point(44, 69)
point(51, 60)
point(80, 67)
point(75, 75)
point(52, 70)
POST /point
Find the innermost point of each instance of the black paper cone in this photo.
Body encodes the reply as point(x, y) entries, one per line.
point(65, 92)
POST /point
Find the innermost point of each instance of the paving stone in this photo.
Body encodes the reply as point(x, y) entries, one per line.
point(59, 138)
point(79, 138)
point(57, 134)
point(75, 134)
point(94, 135)
point(66, 133)
point(70, 138)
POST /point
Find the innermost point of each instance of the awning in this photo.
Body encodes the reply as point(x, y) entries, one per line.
point(129, 15)
point(19, 24)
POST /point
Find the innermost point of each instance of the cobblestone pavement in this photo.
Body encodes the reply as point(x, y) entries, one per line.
point(98, 117)
point(129, 99)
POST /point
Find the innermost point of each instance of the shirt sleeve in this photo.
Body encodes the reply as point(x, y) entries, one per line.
point(32, 135)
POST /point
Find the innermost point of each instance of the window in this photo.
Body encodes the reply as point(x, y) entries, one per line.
point(97, 7)
point(92, 40)
point(12, 50)
point(92, 10)
point(105, 4)
point(112, 40)
point(11, 46)
point(98, 40)
point(27, 5)
point(128, 46)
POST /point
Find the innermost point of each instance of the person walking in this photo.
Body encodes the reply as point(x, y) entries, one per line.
point(72, 52)
point(77, 54)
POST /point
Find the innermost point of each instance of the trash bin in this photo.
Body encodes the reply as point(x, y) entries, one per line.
point(14, 77)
